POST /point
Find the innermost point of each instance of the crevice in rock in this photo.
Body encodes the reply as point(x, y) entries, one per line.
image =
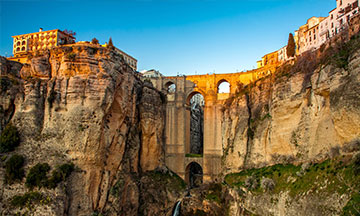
point(250, 132)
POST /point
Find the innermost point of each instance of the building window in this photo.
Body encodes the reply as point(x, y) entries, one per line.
point(340, 2)
point(355, 4)
point(332, 25)
point(332, 16)
point(341, 21)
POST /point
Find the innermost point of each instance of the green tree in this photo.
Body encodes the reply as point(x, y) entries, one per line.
point(95, 41)
point(290, 49)
point(14, 169)
point(110, 44)
point(37, 176)
point(9, 139)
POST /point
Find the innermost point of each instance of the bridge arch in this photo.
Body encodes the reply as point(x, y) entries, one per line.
point(194, 131)
point(223, 86)
point(194, 174)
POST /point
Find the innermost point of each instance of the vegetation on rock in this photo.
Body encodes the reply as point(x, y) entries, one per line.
point(37, 176)
point(60, 174)
point(290, 49)
point(9, 139)
point(328, 177)
point(29, 199)
point(14, 169)
point(95, 41)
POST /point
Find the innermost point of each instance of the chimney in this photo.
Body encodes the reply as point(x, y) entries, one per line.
point(41, 29)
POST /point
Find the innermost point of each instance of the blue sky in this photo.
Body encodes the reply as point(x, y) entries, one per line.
point(173, 36)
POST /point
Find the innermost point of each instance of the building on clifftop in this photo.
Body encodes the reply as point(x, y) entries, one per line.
point(42, 40)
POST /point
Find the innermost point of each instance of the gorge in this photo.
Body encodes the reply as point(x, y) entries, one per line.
point(284, 141)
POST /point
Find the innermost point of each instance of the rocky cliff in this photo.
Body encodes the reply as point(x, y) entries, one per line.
point(82, 104)
point(305, 113)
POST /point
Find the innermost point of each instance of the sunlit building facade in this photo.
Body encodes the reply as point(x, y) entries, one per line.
point(40, 41)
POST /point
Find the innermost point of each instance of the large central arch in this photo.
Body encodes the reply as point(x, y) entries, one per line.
point(195, 124)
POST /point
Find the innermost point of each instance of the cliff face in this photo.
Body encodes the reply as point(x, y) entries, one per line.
point(302, 117)
point(83, 104)
point(296, 117)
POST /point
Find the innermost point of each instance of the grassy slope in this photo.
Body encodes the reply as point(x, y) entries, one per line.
point(340, 175)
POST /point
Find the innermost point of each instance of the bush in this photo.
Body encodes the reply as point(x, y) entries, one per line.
point(13, 169)
point(60, 174)
point(37, 176)
point(28, 199)
point(9, 139)
point(95, 41)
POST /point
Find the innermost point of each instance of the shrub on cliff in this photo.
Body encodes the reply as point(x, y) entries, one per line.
point(9, 139)
point(37, 176)
point(14, 169)
point(28, 199)
point(60, 174)
point(95, 41)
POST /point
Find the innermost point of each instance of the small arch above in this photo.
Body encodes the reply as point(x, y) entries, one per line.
point(223, 86)
point(170, 87)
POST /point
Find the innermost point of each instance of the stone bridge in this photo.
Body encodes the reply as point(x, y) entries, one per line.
point(177, 146)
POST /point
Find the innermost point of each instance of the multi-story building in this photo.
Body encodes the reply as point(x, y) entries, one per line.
point(338, 18)
point(131, 61)
point(319, 29)
point(38, 41)
point(270, 59)
point(307, 36)
point(282, 54)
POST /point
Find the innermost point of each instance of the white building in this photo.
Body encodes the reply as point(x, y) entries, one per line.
point(319, 29)
point(308, 36)
point(282, 54)
point(151, 73)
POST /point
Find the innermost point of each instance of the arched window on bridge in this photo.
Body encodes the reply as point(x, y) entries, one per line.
point(170, 87)
point(223, 87)
point(194, 175)
point(195, 130)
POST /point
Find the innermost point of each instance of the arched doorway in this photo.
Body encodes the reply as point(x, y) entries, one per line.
point(194, 175)
point(223, 86)
point(195, 131)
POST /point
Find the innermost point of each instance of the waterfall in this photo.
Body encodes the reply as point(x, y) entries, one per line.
point(176, 211)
